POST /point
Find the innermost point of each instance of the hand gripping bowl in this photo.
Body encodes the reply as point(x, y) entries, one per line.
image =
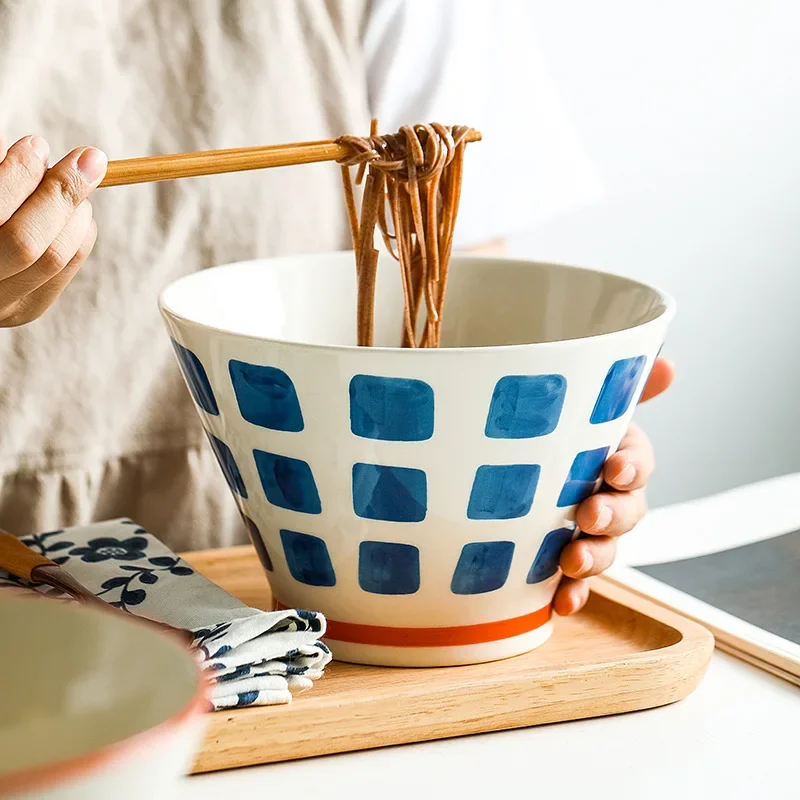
point(418, 498)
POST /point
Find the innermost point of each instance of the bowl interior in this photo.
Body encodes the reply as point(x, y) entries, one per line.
point(75, 681)
point(490, 302)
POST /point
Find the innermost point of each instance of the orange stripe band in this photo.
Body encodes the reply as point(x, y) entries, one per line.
point(457, 636)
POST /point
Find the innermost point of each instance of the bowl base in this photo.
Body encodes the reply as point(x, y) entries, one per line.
point(461, 655)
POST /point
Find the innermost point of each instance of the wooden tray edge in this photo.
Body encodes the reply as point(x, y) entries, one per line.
point(647, 680)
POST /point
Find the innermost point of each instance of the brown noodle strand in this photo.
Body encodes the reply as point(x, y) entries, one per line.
point(405, 275)
point(350, 200)
point(454, 200)
point(362, 168)
point(367, 257)
point(416, 172)
point(389, 239)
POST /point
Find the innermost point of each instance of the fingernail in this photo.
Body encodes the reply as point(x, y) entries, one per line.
point(603, 518)
point(626, 475)
point(92, 164)
point(586, 564)
point(40, 147)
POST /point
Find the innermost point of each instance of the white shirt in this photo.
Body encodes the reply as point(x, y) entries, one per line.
point(475, 62)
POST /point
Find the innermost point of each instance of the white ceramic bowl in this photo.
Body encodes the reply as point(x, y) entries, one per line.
point(93, 706)
point(419, 498)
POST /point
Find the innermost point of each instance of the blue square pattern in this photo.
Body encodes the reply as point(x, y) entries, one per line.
point(228, 465)
point(308, 559)
point(618, 390)
point(482, 567)
point(394, 494)
point(388, 568)
point(525, 406)
point(391, 409)
point(288, 482)
point(266, 396)
point(545, 565)
point(196, 379)
point(258, 543)
point(583, 476)
point(503, 491)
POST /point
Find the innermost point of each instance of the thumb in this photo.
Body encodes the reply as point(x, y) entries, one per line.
point(659, 380)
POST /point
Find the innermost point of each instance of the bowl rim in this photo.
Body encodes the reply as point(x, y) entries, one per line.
point(665, 317)
point(73, 768)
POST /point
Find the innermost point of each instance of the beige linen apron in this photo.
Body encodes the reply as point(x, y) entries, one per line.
point(95, 421)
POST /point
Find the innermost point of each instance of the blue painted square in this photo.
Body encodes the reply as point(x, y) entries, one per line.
point(228, 465)
point(391, 409)
point(525, 406)
point(266, 396)
point(503, 491)
point(388, 568)
point(308, 559)
point(482, 567)
point(618, 389)
point(288, 482)
point(196, 379)
point(258, 543)
point(545, 564)
point(395, 494)
point(583, 476)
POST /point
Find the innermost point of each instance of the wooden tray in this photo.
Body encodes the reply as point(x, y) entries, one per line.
point(622, 653)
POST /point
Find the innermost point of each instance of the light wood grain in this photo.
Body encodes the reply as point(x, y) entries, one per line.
point(18, 559)
point(214, 162)
point(770, 659)
point(622, 653)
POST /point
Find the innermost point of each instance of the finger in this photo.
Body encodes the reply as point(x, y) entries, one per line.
point(633, 464)
point(3, 148)
point(570, 596)
point(586, 557)
point(21, 171)
point(31, 229)
point(55, 258)
point(659, 380)
point(611, 513)
point(36, 303)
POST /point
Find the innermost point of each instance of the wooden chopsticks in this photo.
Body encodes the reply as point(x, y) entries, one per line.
point(214, 162)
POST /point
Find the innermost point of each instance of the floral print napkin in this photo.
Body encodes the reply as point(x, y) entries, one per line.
point(255, 657)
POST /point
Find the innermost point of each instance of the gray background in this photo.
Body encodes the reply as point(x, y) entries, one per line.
point(690, 110)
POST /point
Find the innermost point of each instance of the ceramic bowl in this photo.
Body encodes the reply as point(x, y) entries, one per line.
point(93, 706)
point(419, 498)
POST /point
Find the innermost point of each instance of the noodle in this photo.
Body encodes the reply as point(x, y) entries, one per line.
point(417, 173)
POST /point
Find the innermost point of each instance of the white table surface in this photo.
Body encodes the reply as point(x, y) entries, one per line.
point(735, 737)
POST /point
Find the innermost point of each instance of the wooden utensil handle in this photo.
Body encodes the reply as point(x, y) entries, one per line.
point(213, 162)
point(18, 559)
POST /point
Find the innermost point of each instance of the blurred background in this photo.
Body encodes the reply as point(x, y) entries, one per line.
point(689, 113)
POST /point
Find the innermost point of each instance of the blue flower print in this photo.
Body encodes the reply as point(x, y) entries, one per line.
point(106, 547)
point(129, 596)
point(239, 672)
point(41, 542)
point(246, 699)
point(203, 636)
point(311, 618)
